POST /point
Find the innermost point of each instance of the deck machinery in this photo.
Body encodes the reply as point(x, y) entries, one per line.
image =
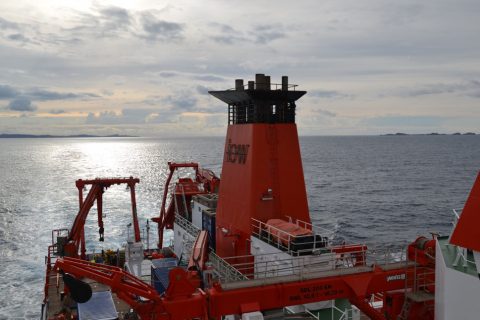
point(243, 247)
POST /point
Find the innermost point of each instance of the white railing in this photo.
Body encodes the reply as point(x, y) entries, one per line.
point(317, 237)
point(223, 270)
point(325, 263)
point(187, 225)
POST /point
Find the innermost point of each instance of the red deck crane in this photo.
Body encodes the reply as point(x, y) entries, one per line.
point(76, 236)
point(205, 181)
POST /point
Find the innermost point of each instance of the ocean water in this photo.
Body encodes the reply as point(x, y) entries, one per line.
point(377, 190)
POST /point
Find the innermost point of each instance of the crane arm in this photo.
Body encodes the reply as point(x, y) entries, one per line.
point(76, 235)
point(204, 177)
point(162, 219)
point(182, 301)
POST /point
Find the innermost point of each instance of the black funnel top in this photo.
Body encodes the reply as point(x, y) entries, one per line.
point(259, 103)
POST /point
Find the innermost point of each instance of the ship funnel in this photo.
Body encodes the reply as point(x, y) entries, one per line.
point(262, 174)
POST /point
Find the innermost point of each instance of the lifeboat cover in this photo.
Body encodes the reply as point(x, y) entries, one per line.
point(282, 230)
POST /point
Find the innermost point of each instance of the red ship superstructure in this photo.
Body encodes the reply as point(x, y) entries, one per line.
point(243, 246)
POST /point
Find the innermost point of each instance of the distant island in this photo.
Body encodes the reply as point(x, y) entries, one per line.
point(430, 134)
point(18, 135)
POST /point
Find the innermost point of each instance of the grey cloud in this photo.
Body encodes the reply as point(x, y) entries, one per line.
point(469, 88)
point(225, 28)
point(268, 33)
point(107, 92)
point(228, 35)
point(434, 89)
point(105, 117)
point(7, 92)
point(325, 113)
point(329, 94)
point(167, 74)
point(261, 34)
point(56, 111)
point(18, 37)
point(227, 39)
point(21, 104)
point(5, 24)
point(114, 21)
point(117, 17)
point(156, 29)
point(202, 89)
point(211, 78)
point(185, 101)
point(40, 94)
point(46, 95)
point(106, 22)
point(134, 115)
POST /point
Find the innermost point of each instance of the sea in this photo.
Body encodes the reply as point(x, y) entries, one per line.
point(378, 190)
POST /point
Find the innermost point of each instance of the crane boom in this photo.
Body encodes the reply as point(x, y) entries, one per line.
point(76, 238)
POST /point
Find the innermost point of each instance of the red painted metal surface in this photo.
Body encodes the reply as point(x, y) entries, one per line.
point(185, 300)
point(76, 237)
point(262, 178)
point(467, 232)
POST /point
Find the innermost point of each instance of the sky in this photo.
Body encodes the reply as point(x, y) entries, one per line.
point(144, 67)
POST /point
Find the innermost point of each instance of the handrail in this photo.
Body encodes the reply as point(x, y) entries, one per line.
point(187, 225)
point(276, 85)
point(272, 265)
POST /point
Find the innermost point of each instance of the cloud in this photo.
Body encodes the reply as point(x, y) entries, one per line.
point(104, 117)
point(56, 111)
point(156, 29)
point(7, 92)
point(39, 94)
point(260, 34)
point(160, 117)
point(105, 22)
point(228, 35)
point(329, 94)
point(267, 33)
point(395, 121)
point(115, 17)
point(469, 88)
point(184, 101)
point(210, 78)
point(21, 104)
point(168, 74)
point(325, 113)
point(47, 95)
point(202, 89)
point(18, 37)
point(5, 24)
point(127, 116)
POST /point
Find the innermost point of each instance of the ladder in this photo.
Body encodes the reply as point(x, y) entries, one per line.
point(405, 309)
